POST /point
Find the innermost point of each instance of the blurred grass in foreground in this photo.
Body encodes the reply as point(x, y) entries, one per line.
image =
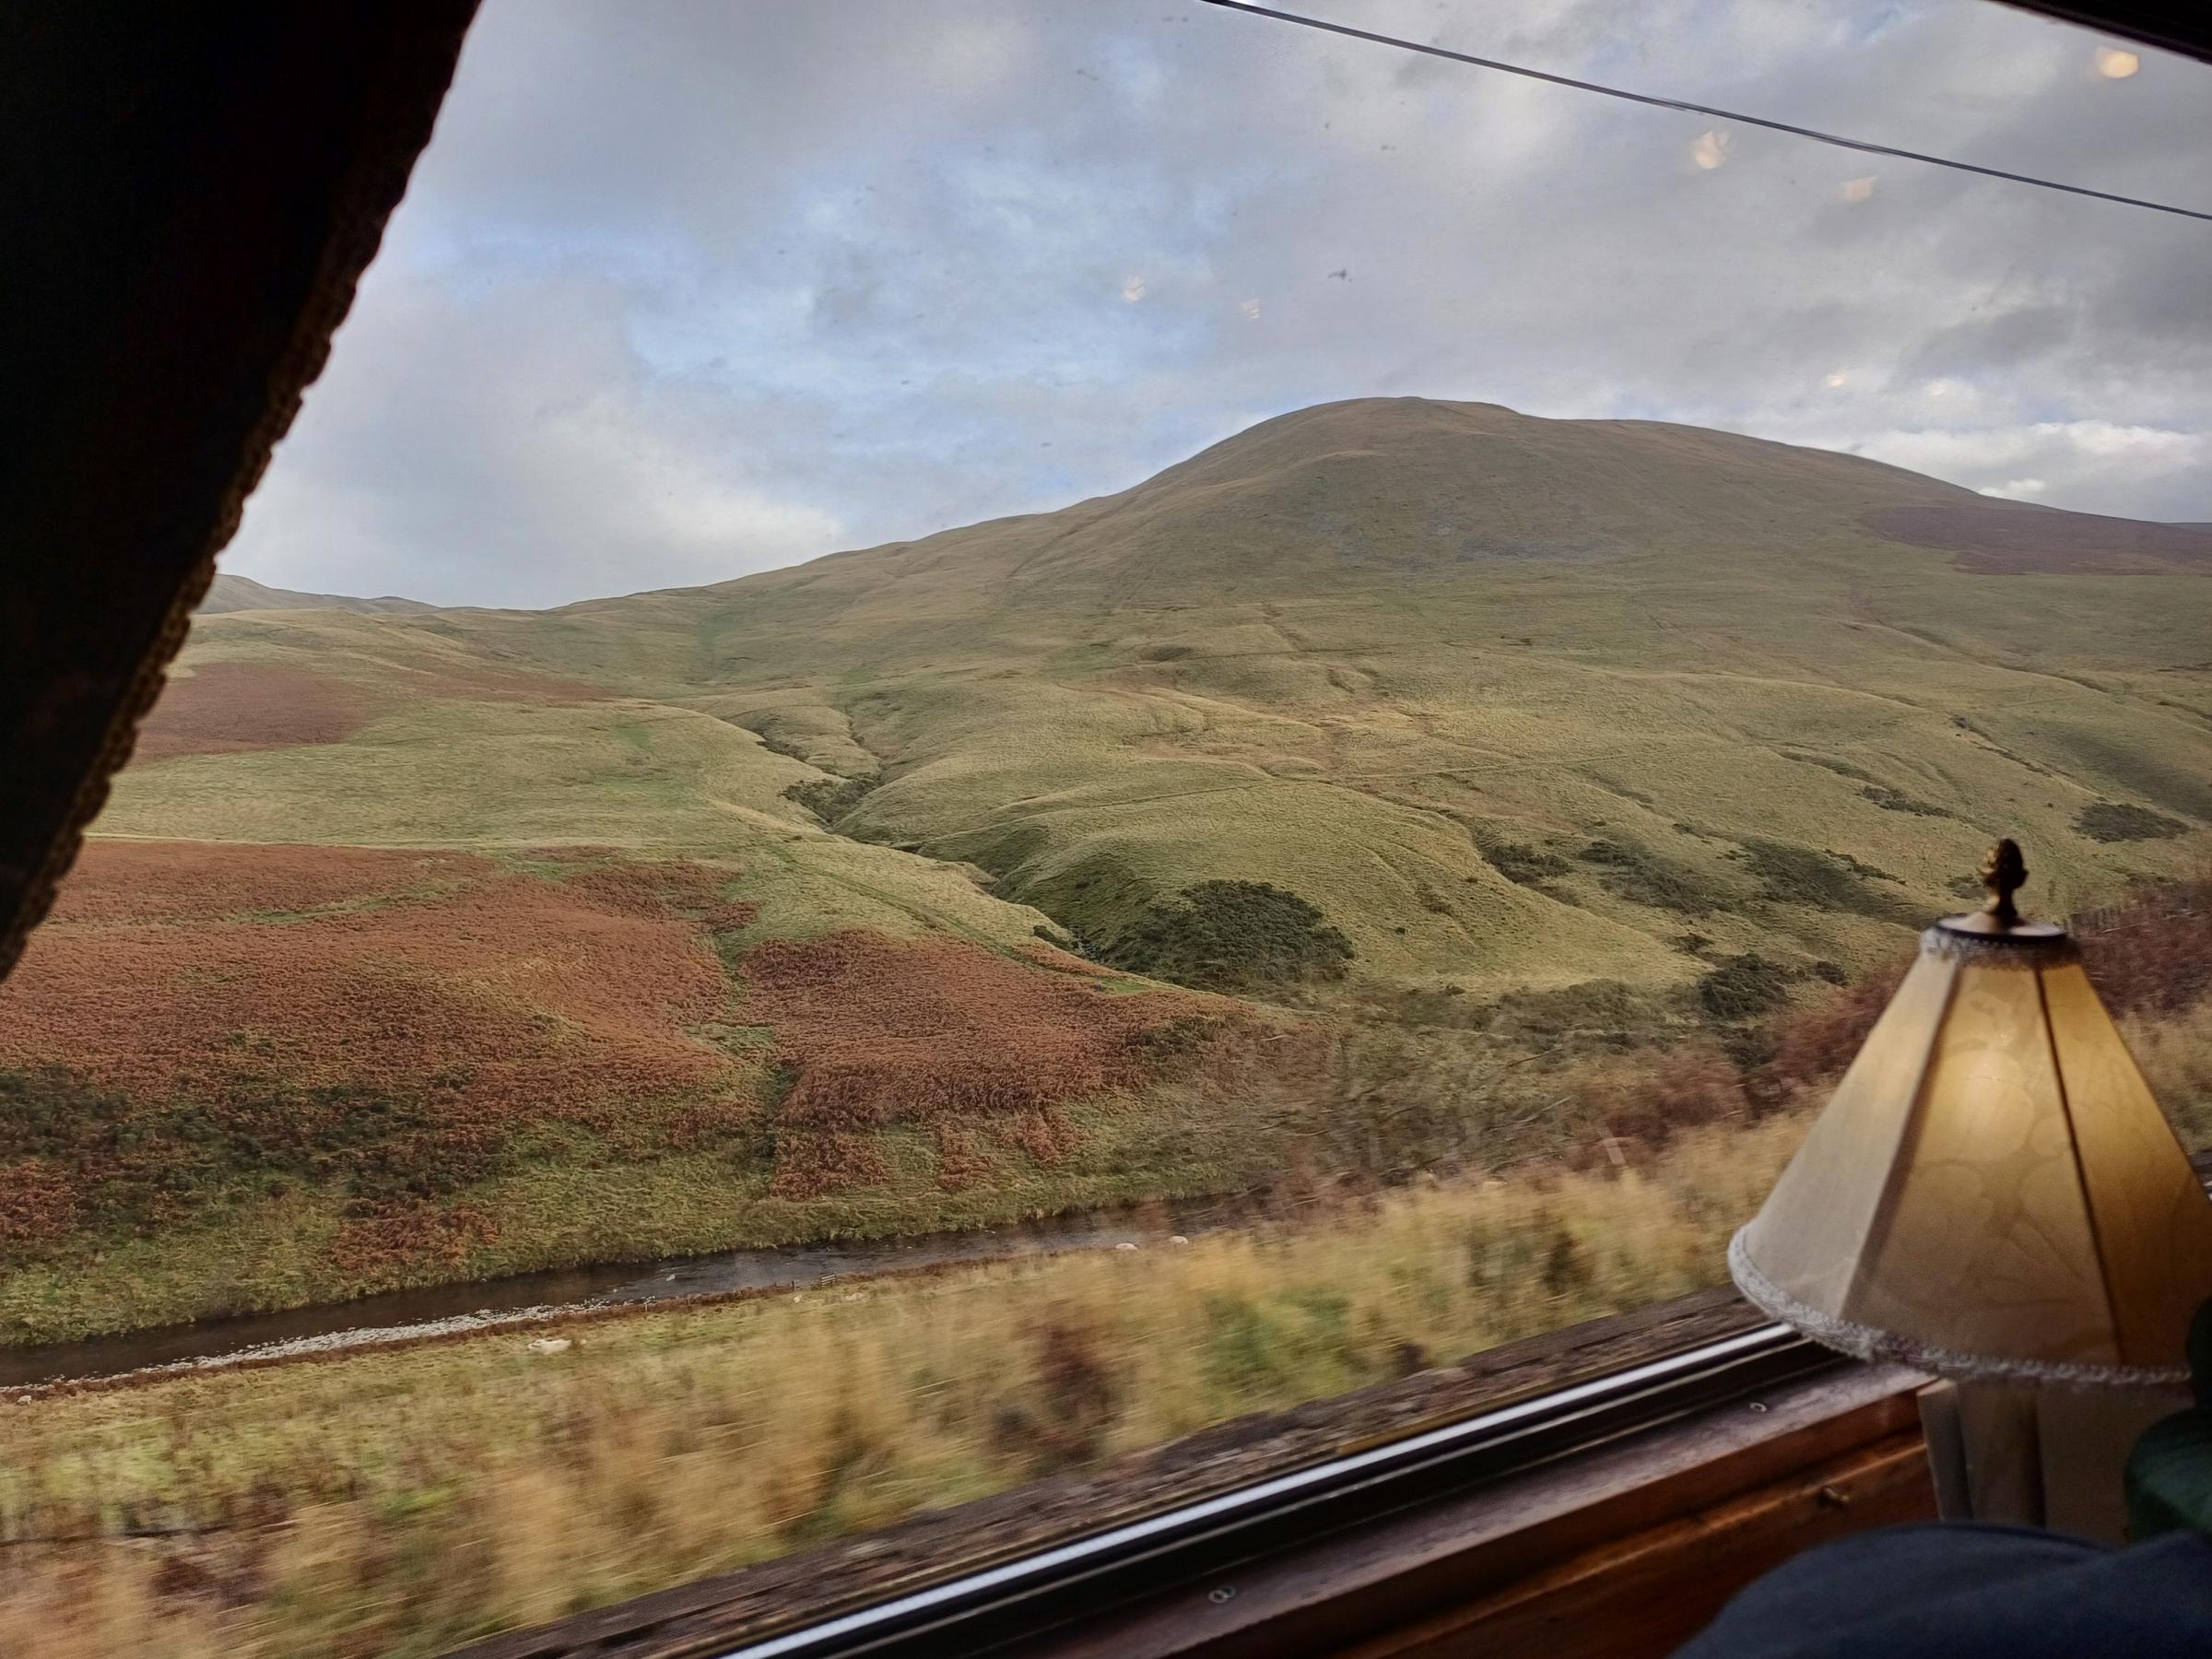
point(401, 1503)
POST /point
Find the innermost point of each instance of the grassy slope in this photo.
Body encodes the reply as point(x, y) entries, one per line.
point(1383, 654)
point(1354, 649)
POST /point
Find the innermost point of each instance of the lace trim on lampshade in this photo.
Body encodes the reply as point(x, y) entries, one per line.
point(2000, 950)
point(1865, 1342)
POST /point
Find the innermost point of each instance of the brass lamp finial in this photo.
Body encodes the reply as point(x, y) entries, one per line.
point(2002, 873)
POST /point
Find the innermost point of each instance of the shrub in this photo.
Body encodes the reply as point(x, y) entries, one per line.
point(875, 1033)
point(357, 1025)
point(1819, 1043)
point(1643, 876)
point(1891, 800)
point(87, 1157)
point(828, 798)
point(1526, 866)
point(2150, 955)
point(1742, 987)
point(809, 1164)
point(1233, 937)
point(1658, 1092)
point(1075, 1393)
point(2108, 822)
point(1820, 880)
point(2153, 954)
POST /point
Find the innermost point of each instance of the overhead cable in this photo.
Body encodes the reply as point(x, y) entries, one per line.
point(1862, 144)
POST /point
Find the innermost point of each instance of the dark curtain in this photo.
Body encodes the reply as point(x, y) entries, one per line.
point(189, 193)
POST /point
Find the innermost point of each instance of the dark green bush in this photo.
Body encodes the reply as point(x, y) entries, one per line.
point(1742, 987)
point(1892, 800)
point(1643, 876)
point(828, 798)
point(1527, 866)
point(2108, 821)
point(1821, 879)
point(1232, 935)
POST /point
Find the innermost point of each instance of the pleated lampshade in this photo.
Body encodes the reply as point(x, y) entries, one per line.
point(1992, 1193)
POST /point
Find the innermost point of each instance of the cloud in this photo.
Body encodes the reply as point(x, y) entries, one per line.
point(2091, 465)
point(507, 446)
point(689, 291)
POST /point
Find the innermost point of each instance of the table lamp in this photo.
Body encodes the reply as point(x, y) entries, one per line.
point(1993, 1196)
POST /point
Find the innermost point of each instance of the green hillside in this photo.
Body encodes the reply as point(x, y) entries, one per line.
point(1512, 701)
point(1388, 716)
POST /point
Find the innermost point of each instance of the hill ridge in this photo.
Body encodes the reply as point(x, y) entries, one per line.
point(228, 593)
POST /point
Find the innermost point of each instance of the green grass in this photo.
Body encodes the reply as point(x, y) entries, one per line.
point(1167, 689)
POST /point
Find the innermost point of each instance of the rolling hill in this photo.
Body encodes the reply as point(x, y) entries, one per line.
point(228, 593)
point(1406, 659)
point(1375, 709)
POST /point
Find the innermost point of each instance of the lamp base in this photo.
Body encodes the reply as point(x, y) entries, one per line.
point(2037, 1457)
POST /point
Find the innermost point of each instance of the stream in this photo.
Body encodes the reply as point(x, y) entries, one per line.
point(483, 1303)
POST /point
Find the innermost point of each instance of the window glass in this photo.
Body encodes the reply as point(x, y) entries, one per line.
point(1098, 719)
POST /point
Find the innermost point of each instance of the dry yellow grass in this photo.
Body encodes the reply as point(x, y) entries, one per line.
point(2175, 1052)
point(397, 1504)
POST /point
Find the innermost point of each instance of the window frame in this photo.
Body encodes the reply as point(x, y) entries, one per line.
point(184, 487)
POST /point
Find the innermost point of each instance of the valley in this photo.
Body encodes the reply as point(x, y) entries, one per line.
point(1397, 787)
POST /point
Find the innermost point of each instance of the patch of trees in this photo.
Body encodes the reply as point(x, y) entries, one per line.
point(1232, 937)
point(828, 798)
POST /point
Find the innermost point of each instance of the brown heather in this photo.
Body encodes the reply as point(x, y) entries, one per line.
point(227, 708)
point(875, 1032)
point(364, 966)
point(387, 1018)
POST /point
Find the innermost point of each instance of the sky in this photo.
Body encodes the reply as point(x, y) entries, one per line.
point(690, 289)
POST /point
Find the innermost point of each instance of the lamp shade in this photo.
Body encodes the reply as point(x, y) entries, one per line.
point(1993, 1192)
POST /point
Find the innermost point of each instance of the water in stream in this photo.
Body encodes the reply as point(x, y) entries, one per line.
point(393, 1312)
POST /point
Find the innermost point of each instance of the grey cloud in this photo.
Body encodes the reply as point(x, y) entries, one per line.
point(684, 291)
point(2014, 336)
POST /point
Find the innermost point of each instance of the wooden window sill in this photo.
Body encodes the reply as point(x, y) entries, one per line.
point(1625, 1550)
